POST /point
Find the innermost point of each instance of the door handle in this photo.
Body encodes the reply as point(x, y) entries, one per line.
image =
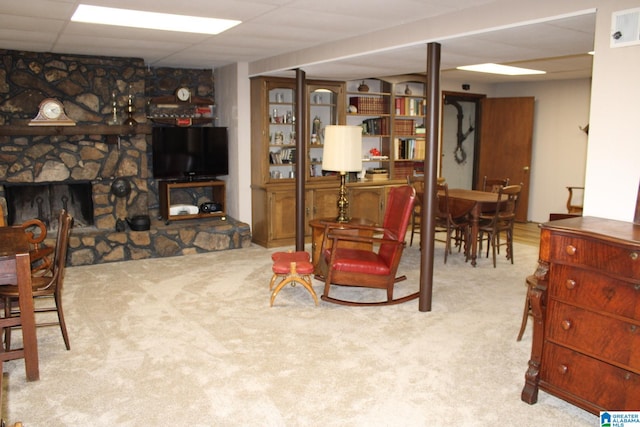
point(526, 168)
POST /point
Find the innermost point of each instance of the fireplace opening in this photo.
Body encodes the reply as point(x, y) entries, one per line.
point(44, 202)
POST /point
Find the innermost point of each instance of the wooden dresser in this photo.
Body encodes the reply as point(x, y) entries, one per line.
point(585, 300)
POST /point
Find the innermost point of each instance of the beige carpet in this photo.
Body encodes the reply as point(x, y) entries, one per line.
point(192, 341)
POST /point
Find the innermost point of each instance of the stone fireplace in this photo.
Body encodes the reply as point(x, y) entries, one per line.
point(44, 201)
point(44, 170)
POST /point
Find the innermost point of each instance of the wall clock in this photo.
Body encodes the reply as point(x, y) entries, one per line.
point(183, 94)
point(51, 113)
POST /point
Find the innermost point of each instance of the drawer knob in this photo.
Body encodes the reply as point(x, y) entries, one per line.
point(633, 329)
point(633, 256)
point(570, 284)
point(563, 369)
point(571, 250)
point(566, 324)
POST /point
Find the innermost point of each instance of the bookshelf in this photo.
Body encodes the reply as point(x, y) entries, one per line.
point(408, 131)
point(370, 109)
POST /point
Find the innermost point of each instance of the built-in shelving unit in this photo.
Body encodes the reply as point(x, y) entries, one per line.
point(169, 110)
point(369, 103)
point(409, 104)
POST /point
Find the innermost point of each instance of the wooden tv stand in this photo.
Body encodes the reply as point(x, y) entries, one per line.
point(216, 187)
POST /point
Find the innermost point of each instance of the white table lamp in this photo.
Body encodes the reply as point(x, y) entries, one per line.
point(343, 154)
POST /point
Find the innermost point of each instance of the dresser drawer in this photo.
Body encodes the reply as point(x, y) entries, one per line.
point(615, 259)
point(594, 290)
point(606, 386)
point(597, 334)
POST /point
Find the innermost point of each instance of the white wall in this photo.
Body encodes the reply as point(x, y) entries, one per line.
point(613, 157)
point(559, 148)
point(233, 102)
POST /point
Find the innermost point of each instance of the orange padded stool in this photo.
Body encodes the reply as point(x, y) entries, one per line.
point(291, 256)
point(292, 268)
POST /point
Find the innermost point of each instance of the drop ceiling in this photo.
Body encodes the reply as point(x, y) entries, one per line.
point(272, 28)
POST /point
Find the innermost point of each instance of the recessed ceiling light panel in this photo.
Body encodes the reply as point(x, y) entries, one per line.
point(151, 20)
point(500, 69)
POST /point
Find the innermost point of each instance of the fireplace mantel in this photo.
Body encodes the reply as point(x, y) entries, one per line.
point(98, 129)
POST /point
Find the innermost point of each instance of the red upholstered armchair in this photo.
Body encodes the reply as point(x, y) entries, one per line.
point(359, 267)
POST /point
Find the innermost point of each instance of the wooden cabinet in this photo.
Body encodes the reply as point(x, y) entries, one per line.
point(368, 203)
point(273, 139)
point(324, 203)
point(192, 194)
point(273, 145)
point(586, 305)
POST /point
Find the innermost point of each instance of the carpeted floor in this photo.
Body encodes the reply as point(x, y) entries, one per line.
point(192, 341)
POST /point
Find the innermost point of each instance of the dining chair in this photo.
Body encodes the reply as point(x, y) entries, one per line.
point(456, 228)
point(417, 182)
point(574, 201)
point(493, 184)
point(40, 254)
point(502, 220)
point(45, 287)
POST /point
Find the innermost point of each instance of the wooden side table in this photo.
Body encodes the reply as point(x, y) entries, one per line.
point(317, 235)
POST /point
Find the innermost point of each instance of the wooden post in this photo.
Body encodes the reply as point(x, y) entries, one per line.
point(427, 228)
point(301, 159)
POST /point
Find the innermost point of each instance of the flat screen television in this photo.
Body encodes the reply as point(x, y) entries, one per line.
point(189, 152)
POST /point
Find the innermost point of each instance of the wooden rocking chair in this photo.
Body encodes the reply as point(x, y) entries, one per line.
point(348, 266)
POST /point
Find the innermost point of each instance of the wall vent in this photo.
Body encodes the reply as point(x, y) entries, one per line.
point(625, 28)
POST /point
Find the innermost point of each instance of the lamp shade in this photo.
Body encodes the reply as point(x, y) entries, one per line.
point(342, 148)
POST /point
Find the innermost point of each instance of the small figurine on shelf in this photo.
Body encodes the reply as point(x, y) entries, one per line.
point(115, 120)
point(316, 131)
point(279, 138)
point(407, 91)
point(363, 87)
point(317, 123)
point(131, 109)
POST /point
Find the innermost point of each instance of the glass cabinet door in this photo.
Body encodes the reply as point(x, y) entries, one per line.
point(325, 107)
point(281, 134)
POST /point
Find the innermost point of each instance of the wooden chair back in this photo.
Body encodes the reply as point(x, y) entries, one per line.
point(493, 184)
point(397, 215)
point(574, 201)
point(636, 217)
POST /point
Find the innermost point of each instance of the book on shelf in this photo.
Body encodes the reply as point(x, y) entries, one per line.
point(376, 126)
point(405, 106)
point(368, 104)
point(409, 148)
point(285, 155)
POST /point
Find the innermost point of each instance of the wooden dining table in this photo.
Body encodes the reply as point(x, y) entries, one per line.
point(15, 269)
point(473, 202)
